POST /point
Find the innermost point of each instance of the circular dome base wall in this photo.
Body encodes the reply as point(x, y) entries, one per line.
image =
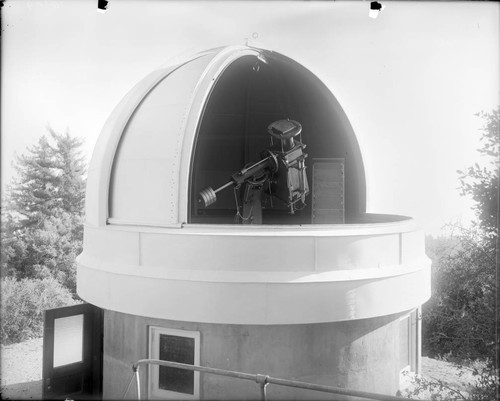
point(347, 354)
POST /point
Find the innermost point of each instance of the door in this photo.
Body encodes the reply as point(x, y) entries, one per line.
point(328, 191)
point(72, 352)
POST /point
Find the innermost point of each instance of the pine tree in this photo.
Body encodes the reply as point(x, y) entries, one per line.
point(70, 164)
point(49, 179)
point(42, 224)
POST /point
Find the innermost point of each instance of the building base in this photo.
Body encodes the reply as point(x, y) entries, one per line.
point(365, 354)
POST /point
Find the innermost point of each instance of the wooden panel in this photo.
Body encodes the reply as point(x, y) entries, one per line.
point(328, 191)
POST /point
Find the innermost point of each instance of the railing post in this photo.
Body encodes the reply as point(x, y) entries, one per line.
point(262, 380)
point(138, 383)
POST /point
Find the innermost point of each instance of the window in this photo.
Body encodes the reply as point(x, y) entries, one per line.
point(177, 346)
point(68, 340)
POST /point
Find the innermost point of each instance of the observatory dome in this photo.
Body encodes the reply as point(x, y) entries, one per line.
point(192, 126)
point(226, 210)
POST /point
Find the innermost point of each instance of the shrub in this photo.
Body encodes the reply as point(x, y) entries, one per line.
point(459, 319)
point(23, 303)
point(483, 385)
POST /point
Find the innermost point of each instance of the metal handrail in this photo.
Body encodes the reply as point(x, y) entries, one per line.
point(263, 381)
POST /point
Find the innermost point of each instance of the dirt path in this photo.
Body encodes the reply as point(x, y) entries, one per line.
point(435, 370)
point(21, 370)
point(447, 372)
point(22, 362)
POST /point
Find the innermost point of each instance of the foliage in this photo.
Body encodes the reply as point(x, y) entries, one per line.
point(459, 319)
point(483, 387)
point(481, 182)
point(459, 322)
point(49, 179)
point(23, 303)
point(487, 381)
point(42, 224)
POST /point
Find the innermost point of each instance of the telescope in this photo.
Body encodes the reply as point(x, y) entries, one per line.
point(281, 168)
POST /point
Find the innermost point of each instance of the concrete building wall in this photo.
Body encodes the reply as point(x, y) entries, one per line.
point(359, 354)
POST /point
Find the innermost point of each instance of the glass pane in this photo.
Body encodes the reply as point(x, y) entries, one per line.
point(68, 340)
point(176, 349)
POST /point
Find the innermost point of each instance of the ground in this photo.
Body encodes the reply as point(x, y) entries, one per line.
point(435, 370)
point(21, 371)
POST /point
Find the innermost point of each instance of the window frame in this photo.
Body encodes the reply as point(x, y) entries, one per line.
point(414, 338)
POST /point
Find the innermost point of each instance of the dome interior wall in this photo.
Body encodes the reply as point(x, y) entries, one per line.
point(248, 96)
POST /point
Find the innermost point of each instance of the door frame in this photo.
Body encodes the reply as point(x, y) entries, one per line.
point(88, 372)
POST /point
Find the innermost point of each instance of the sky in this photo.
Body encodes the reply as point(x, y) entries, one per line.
point(409, 81)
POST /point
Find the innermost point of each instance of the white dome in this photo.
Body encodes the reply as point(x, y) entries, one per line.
point(192, 125)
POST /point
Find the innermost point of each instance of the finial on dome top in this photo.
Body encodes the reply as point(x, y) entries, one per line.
point(250, 41)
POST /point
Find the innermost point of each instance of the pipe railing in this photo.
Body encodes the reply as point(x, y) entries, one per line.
point(263, 381)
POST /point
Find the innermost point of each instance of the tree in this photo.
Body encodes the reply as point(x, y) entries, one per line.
point(42, 225)
point(52, 249)
point(462, 314)
point(481, 182)
point(459, 319)
point(23, 303)
point(49, 179)
point(459, 322)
